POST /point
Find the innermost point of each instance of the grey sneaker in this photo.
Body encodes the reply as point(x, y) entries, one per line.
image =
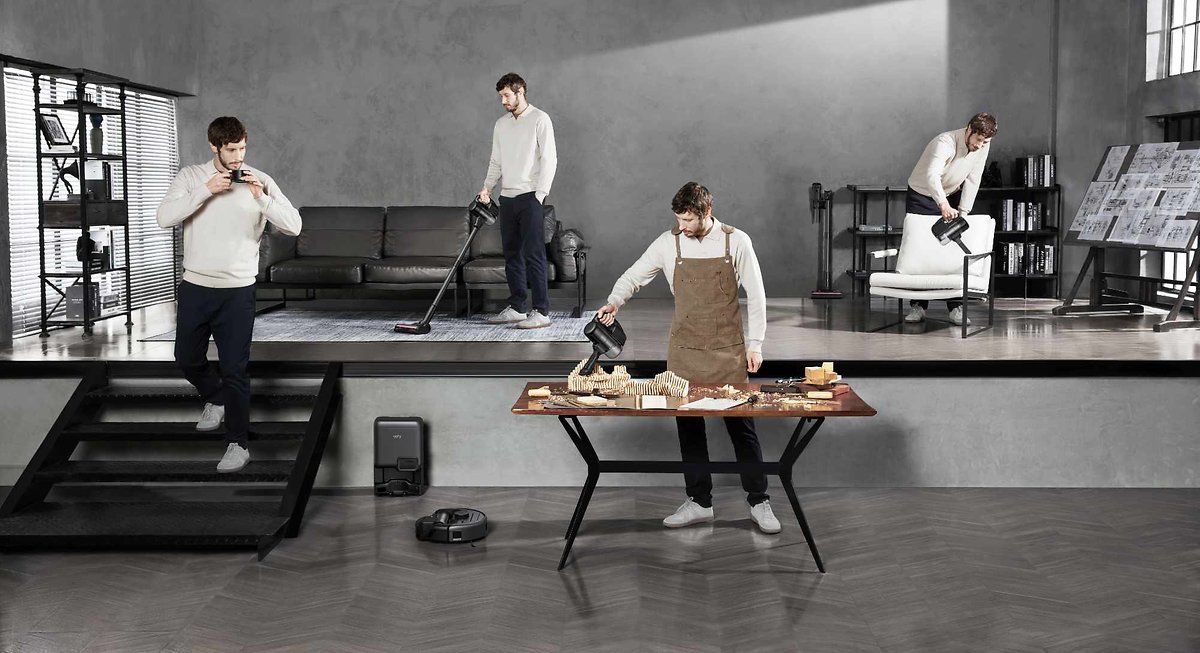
point(689, 513)
point(915, 314)
point(956, 317)
point(762, 515)
point(211, 418)
point(509, 315)
point(535, 321)
point(234, 459)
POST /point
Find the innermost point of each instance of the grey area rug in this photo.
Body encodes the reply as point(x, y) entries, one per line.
point(376, 326)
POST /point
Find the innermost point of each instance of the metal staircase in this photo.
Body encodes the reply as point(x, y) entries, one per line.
point(218, 511)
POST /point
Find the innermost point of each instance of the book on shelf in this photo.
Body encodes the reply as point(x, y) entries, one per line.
point(1036, 170)
point(877, 228)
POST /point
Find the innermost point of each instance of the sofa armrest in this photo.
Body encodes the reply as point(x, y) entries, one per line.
point(273, 247)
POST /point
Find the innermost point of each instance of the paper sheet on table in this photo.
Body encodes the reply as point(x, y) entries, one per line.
point(712, 403)
point(1112, 164)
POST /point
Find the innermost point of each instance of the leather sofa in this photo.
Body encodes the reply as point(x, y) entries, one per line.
point(407, 248)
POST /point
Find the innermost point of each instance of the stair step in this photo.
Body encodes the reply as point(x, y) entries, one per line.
point(178, 523)
point(175, 394)
point(178, 431)
point(163, 471)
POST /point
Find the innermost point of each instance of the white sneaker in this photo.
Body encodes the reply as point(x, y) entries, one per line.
point(211, 418)
point(956, 317)
point(915, 314)
point(535, 321)
point(509, 315)
point(689, 513)
point(762, 515)
point(234, 459)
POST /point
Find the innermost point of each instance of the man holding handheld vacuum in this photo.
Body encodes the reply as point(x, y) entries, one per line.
point(948, 174)
point(708, 261)
point(224, 206)
point(524, 154)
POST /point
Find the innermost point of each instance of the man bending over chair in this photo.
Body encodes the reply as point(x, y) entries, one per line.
point(947, 175)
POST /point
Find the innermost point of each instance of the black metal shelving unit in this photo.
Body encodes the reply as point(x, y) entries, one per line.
point(81, 213)
point(886, 230)
point(1026, 284)
point(877, 235)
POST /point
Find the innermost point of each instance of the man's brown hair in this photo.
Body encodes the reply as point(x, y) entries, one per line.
point(984, 124)
point(225, 130)
point(511, 80)
point(692, 198)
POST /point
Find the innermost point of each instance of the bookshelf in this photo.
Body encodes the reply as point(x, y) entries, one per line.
point(1028, 240)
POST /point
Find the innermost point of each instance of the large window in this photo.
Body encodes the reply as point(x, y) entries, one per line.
point(1183, 37)
point(152, 161)
point(1172, 38)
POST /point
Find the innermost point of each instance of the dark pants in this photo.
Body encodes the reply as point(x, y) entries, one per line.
point(227, 314)
point(521, 232)
point(693, 445)
point(920, 204)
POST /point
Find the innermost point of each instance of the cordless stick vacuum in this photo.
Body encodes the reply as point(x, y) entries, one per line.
point(479, 215)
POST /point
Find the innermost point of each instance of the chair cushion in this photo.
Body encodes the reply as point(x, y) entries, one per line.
point(907, 293)
point(408, 269)
point(425, 231)
point(922, 253)
point(348, 231)
point(319, 269)
point(490, 269)
point(952, 283)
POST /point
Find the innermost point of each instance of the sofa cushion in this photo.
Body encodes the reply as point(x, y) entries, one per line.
point(319, 270)
point(353, 231)
point(490, 269)
point(425, 231)
point(488, 243)
point(408, 269)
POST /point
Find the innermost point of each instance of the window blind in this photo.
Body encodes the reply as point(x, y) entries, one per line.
point(152, 159)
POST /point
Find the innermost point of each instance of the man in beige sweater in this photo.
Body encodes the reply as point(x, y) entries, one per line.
point(945, 181)
point(224, 206)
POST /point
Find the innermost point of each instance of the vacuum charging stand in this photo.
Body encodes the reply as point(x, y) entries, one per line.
point(479, 215)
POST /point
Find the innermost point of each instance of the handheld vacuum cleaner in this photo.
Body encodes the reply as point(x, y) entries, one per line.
point(607, 340)
point(946, 231)
point(479, 215)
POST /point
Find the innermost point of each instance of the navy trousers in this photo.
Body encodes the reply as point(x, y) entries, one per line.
point(524, 241)
point(693, 445)
point(920, 204)
point(226, 314)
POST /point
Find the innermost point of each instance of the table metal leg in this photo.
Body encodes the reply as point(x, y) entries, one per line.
point(795, 446)
point(579, 438)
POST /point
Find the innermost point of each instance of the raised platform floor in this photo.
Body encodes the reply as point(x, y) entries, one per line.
point(797, 330)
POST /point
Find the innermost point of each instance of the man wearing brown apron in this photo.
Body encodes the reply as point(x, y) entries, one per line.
point(708, 261)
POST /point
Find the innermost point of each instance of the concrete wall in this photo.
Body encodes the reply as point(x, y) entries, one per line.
point(1095, 87)
point(1062, 432)
point(152, 42)
point(382, 102)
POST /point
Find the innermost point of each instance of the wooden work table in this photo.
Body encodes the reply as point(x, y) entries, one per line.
point(811, 414)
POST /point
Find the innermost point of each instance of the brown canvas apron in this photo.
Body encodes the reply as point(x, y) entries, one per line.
point(706, 343)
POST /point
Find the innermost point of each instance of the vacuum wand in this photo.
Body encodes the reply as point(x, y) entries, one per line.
point(478, 214)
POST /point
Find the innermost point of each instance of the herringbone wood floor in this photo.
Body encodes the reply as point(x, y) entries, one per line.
point(909, 570)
